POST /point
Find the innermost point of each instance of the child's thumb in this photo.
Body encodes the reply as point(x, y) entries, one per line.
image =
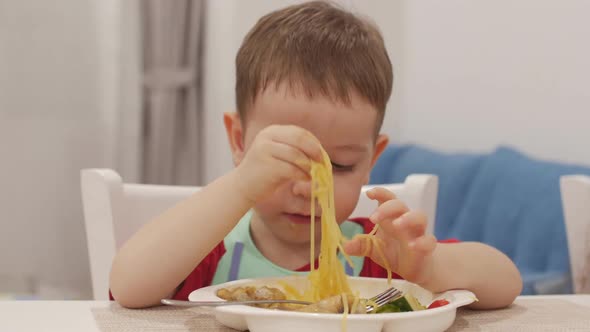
point(355, 247)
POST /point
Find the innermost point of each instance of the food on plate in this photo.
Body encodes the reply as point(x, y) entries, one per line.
point(338, 304)
point(438, 303)
point(403, 304)
point(333, 304)
point(257, 293)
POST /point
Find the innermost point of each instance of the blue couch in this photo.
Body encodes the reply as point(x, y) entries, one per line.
point(503, 198)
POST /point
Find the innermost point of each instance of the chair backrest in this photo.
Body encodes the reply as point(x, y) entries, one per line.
point(575, 196)
point(503, 198)
point(114, 210)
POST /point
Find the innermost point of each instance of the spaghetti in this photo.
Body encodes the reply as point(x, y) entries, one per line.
point(329, 279)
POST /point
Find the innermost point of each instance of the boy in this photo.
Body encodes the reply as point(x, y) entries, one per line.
point(309, 76)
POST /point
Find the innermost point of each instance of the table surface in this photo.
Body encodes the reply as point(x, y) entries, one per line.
point(534, 313)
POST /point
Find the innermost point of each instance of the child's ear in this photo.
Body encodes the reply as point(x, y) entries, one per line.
point(235, 135)
point(380, 144)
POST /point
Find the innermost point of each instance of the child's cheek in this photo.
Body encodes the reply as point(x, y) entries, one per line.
point(346, 195)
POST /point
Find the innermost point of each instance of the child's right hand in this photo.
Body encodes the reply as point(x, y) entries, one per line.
point(279, 153)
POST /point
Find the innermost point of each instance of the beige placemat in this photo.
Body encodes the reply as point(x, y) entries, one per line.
point(526, 315)
point(118, 319)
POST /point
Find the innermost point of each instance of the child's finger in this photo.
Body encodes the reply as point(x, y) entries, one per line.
point(300, 139)
point(290, 155)
point(293, 172)
point(407, 228)
point(362, 246)
point(424, 244)
point(410, 226)
point(380, 194)
point(356, 247)
point(389, 210)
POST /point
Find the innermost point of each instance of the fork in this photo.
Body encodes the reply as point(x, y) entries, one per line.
point(388, 295)
point(380, 299)
point(222, 303)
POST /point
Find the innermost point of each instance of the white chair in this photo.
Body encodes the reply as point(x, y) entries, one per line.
point(114, 210)
point(575, 197)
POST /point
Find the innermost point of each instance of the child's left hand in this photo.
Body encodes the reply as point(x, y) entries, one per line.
point(405, 245)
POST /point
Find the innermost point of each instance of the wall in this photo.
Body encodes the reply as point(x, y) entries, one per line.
point(60, 79)
point(469, 75)
point(483, 73)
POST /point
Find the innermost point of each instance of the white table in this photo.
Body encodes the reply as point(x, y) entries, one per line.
point(49, 315)
point(65, 316)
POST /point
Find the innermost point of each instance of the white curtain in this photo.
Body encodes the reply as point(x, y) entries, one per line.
point(172, 46)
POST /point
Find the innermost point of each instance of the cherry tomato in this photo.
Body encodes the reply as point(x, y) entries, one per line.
point(438, 303)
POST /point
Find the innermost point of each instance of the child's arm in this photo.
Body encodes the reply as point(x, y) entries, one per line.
point(418, 258)
point(155, 260)
point(480, 268)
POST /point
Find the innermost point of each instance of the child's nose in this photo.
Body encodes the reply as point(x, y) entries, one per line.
point(302, 188)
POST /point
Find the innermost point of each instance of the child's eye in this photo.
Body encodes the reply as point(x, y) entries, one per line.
point(342, 168)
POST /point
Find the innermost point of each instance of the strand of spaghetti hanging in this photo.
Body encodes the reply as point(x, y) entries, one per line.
point(332, 239)
point(329, 279)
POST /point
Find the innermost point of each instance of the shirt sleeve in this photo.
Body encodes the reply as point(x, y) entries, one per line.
point(202, 275)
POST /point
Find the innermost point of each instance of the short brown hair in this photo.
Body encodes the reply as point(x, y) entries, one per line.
point(318, 47)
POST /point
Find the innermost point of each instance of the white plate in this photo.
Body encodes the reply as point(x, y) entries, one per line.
point(241, 317)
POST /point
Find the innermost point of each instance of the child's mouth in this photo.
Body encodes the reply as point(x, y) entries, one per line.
point(300, 218)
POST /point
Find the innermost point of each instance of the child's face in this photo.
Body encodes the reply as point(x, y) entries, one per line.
point(346, 132)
